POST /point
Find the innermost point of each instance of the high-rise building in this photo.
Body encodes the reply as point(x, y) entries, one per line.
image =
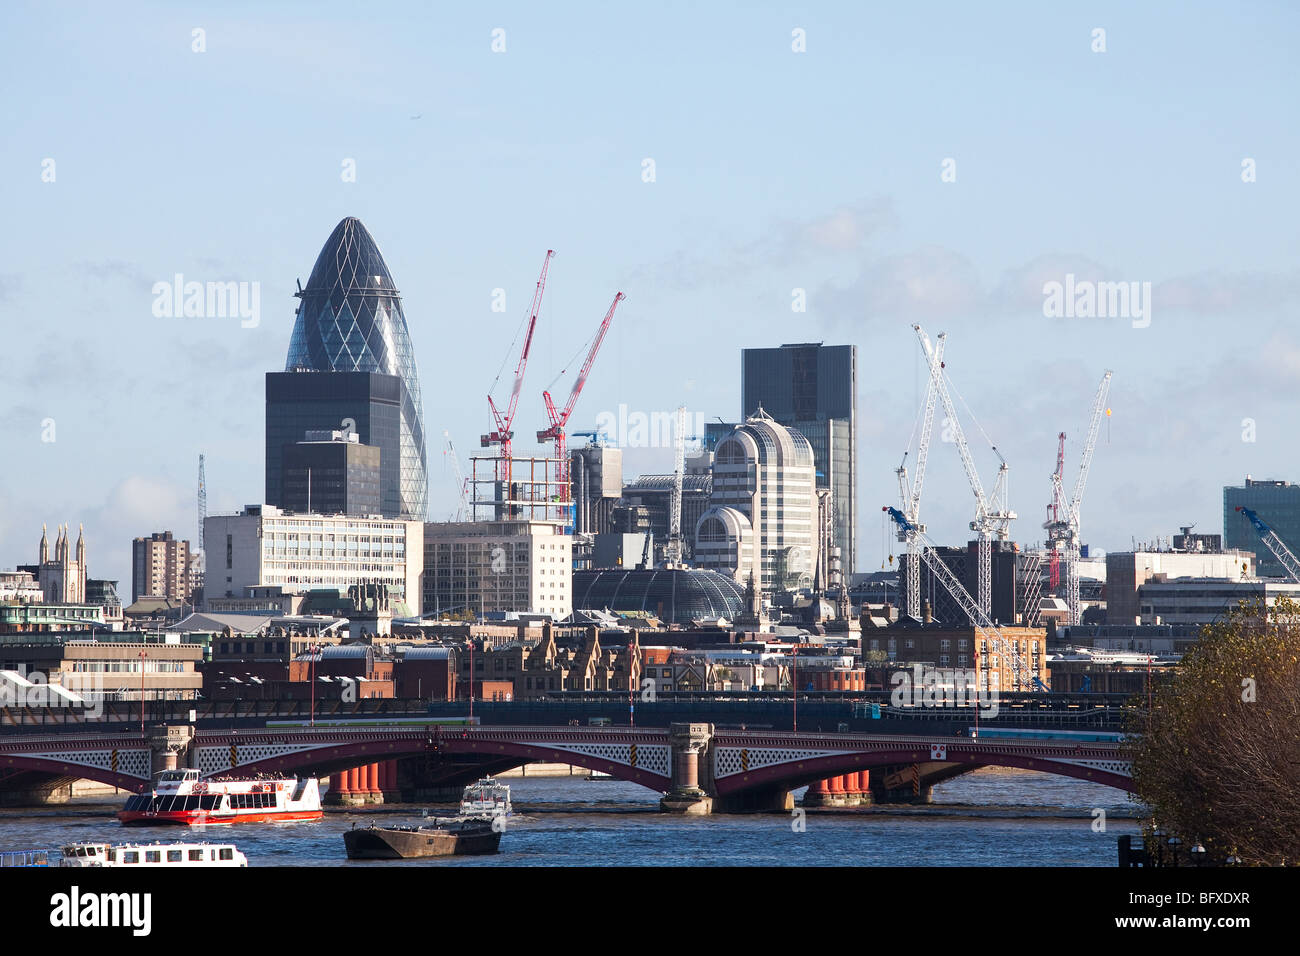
point(351, 366)
point(264, 547)
point(761, 518)
point(331, 473)
point(1278, 505)
point(160, 567)
point(1015, 591)
point(813, 388)
point(480, 566)
point(1128, 571)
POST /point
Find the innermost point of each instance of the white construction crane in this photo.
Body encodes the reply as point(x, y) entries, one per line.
point(1063, 531)
point(450, 452)
point(910, 496)
point(673, 550)
point(1025, 676)
point(989, 520)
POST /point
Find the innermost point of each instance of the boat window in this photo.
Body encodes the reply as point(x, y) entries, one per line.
point(226, 853)
point(81, 851)
point(191, 803)
point(173, 856)
point(153, 856)
point(196, 854)
point(131, 856)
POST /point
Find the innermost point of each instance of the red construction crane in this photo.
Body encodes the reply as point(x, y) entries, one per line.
point(504, 422)
point(560, 418)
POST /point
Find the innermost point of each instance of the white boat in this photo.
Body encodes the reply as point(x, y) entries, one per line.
point(485, 798)
point(151, 855)
point(183, 797)
point(599, 775)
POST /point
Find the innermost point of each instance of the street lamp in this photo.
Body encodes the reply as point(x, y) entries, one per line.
point(143, 655)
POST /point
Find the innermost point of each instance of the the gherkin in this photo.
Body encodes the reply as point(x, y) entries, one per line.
point(351, 320)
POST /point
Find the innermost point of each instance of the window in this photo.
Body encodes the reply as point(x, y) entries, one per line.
point(131, 856)
point(196, 854)
point(174, 856)
point(153, 856)
point(226, 854)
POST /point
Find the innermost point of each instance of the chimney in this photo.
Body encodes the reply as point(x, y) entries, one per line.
point(927, 615)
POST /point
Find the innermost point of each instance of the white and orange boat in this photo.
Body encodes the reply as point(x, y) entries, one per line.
point(181, 797)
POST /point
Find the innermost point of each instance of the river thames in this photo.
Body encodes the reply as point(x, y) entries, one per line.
point(993, 817)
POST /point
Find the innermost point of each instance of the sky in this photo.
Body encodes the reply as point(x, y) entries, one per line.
point(932, 164)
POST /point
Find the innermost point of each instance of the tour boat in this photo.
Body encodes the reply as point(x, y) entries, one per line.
point(152, 854)
point(181, 797)
point(485, 798)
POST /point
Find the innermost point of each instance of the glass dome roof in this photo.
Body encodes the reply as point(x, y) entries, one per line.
point(678, 595)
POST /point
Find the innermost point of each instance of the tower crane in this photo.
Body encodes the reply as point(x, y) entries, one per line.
point(1063, 530)
point(673, 550)
point(1025, 676)
point(461, 487)
point(503, 434)
point(910, 495)
point(989, 521)
point(1054, 511)
point(1274, 543)
point(558, 419)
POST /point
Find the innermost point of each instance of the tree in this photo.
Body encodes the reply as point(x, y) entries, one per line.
point(1216, 759)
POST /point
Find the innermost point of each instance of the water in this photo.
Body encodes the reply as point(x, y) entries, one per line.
point(992, 817)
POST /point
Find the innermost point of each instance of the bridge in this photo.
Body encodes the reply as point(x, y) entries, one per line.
point(698, 767)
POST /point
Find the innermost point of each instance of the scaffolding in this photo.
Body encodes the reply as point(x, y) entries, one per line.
point(537, 491)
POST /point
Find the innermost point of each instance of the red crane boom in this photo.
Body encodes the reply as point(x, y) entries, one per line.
point(560, 418)
point(503, 434)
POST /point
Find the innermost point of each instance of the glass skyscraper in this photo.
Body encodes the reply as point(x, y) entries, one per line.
point(351, 320)
point(813, 388)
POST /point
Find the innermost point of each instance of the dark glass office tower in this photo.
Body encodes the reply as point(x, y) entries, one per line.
point(350, 322)
point(364, 402)
point(1278, 505)
point(813, 388)
point(330, 475)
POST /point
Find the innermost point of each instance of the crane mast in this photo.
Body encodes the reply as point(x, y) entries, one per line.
point(1054, 515)
point(461, 487)
point(503, 434)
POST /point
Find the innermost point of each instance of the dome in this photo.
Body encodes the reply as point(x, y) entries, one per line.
point(351, 320)
point(764, 441)
point(676, 595)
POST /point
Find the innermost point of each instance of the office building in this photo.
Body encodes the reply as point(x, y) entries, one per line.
point(761, 519)
point(1278, 504)
point(331, 473)
point(1176, 601)
point(474, 567)
point(351, 366)
point(160, 567)
point(813, 388)
point(1015, 577)
point(596, 479)
point(1128, 571)
point(263, 546)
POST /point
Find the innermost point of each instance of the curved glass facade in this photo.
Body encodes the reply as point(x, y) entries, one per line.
point(351, 320)
point(678, 595)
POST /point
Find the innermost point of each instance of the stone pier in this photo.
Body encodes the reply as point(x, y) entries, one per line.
point(688, 742)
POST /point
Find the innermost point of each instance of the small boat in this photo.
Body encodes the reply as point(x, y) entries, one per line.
point(485, 798)
point(599, 775)
point(183, 797)
point(151, 855)
point(23, 858)
point(453, 836)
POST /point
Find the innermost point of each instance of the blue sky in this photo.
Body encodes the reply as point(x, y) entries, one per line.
point(775, 170)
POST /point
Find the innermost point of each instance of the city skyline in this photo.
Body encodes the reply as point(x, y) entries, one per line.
point(840, 195)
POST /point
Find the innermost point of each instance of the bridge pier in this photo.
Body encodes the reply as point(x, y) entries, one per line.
point(37, 796)
point(845, 790)
point(765, 800)
point(687, 742)
point(904, 784)
point(168, 746)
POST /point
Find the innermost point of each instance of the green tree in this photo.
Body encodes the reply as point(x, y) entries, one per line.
point(1216, 759)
